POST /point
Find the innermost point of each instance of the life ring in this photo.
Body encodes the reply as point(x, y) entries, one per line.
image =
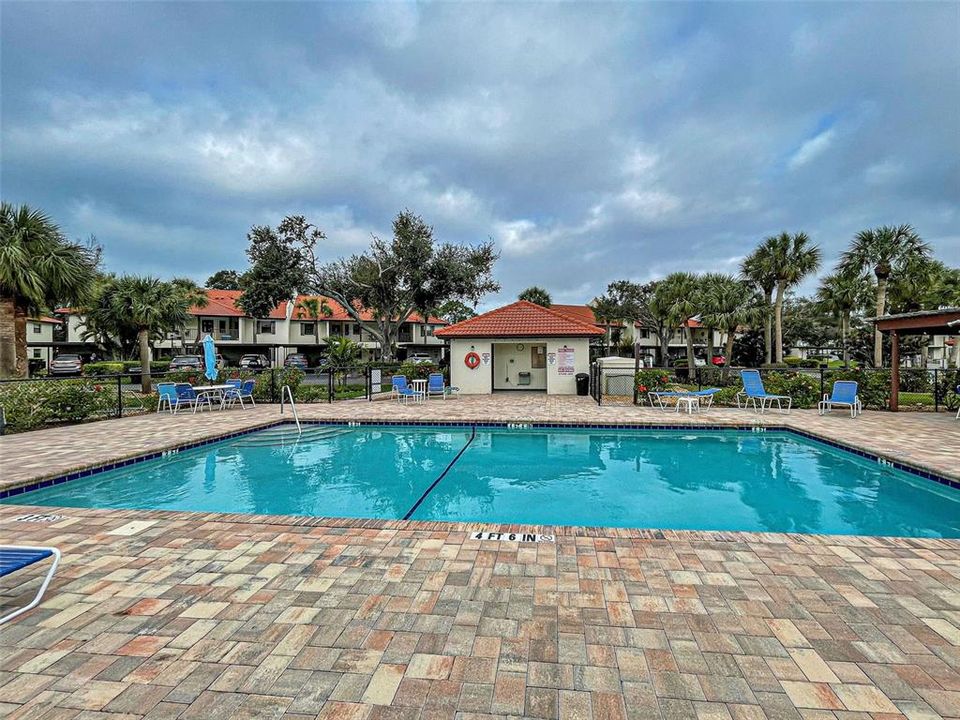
point(472, 360)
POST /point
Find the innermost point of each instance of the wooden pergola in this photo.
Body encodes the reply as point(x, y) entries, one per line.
point(945, 321)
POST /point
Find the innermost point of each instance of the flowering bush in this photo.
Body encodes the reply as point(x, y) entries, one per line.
point(647, 380)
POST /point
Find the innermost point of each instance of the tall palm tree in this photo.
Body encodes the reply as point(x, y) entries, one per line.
point(683, 291)
point(760, 270)
point(606, 311)
point(840, 294)
point(150, 305)
point(794, 258)
point(536, 295)
point(314, 308)
point(39, 269)
point(885, 250)
point(729, 304)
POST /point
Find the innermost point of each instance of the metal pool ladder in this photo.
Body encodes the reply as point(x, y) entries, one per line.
point(286, 393)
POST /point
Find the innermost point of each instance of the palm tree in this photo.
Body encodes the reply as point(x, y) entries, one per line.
point(840, 294)
point(536, 295)
point(681, 290)
point(314, 308)
point(759, 269)
point(885, 250)
point(341, 354)
point(149, 305)
point(606, 311)
point(794, 258)
point(39, 269)
point(730, 304)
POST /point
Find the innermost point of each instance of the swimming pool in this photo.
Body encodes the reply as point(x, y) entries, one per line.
point(671, 479)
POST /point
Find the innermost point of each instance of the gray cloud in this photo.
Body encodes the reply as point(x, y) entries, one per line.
point(591, 142)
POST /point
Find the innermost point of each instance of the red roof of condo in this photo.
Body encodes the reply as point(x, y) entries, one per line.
point(521, 319)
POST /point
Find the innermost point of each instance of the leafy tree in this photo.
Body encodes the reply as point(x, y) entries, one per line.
point(657, 316)
point(793, 257)
point(146, 306)
point(454, 311)
point(606, 310)
point(682, 291)
point(278, 266)
point(225, 280)
point(314, 308)
point(805, 322)
point(759, 268)
point(537, 295)
point(39, 269)
point(841, 294)
point(887, 251)
point(410, 273)
point(728, 304)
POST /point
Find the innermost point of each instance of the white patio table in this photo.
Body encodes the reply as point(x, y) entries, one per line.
point(211, 391)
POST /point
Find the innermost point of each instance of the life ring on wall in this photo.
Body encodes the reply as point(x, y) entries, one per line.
point(472, 360)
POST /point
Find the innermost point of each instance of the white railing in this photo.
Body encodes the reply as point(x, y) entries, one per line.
point(287, 393)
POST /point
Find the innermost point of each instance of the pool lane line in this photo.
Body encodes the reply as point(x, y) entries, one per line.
point(411, 511)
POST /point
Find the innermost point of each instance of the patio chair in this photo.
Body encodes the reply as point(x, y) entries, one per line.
point(168, 396)
point(843, 394)
point(436, 386)
point(753, 391)
point(404, 392)
point(17, 557)
point(241, 390)
point(691, 398)
point(186, 395)
point(957, 391)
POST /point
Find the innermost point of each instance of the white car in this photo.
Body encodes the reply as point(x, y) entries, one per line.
point(421, 359)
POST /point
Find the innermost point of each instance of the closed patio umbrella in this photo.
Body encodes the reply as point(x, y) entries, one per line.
point(210, 358)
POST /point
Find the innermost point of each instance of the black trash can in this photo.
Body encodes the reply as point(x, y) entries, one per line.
point(583, 383)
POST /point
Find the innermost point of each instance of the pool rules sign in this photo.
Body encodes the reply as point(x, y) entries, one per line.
point(565, 360)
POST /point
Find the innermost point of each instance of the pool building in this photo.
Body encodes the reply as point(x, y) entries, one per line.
point(521, 346)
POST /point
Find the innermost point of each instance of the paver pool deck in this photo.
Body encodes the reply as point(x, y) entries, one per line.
point(189, 615)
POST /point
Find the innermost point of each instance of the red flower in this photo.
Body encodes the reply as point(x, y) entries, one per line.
point(642, 388)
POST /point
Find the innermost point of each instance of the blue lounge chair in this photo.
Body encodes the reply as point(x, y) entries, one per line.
point(693, 399)
point(844, 394)
point(753, 391)
point(241, 390)
point(404, 392)
point(436, 386)
point(17, 557)
point(957, 391)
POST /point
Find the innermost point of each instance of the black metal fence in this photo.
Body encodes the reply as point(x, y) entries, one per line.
point(931, 390)
point(29, 404)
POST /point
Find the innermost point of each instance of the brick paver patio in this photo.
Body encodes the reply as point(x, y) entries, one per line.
point(197, 616)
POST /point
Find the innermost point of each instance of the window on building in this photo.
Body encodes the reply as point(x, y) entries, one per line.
point(644, 334)
point(423, 331)
point(266, 327)
point(37, 353)
point(36, 328)
point(538, 357)
point(430, 329)
point(307, 328)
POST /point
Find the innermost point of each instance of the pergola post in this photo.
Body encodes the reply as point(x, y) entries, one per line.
point(894, 371)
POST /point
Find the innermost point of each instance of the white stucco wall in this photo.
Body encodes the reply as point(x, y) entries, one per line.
point(479, 381)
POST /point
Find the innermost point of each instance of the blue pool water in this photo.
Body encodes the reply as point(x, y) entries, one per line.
point(679, 479)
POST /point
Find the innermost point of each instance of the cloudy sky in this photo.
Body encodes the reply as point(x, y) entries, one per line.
point(591, 142)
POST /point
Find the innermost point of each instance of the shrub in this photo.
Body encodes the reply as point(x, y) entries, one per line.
point(796, 362)
point(802, 387)
point(110, 367)
point(311, 394)
point(647, 380)
point(31, 405)
point(947, 382)
point(416, 371)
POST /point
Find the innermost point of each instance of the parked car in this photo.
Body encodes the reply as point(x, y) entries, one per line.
point(719, 360)
point(421, 359)
point(296, 360)
point(66, 365)
point(187, 362)
point(254, 362)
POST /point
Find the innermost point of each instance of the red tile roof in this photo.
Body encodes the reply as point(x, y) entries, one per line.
point(521, 319)
point(224, 303)
point(46, 319)
point(583, 313)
